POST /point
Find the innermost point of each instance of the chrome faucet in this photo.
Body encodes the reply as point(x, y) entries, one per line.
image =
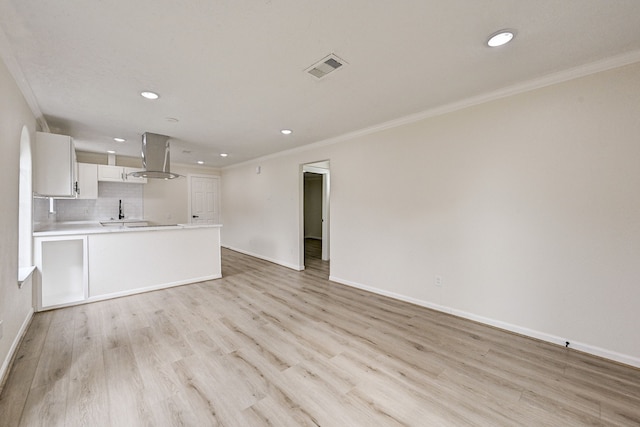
point(120, 213)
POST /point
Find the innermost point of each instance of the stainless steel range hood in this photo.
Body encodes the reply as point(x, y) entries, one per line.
point(155, 157)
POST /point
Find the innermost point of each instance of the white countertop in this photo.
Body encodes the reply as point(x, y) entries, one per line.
point(95, 227)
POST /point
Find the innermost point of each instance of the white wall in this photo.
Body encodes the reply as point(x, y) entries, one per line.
point(162, 201)
point(261, 211)
point(103, 159)
point(15, 304)
point(527, 206)
point(167, 201)
point(104, 207)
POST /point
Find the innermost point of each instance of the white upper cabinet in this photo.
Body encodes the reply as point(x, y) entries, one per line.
point(110, 173)
point(87, 181)
point(133, 179)
point(118, 174)
point(54, 165)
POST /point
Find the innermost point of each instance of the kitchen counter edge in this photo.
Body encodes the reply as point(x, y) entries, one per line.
point(96, 228)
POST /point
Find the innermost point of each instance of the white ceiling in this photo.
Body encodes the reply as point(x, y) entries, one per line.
point(232, 72)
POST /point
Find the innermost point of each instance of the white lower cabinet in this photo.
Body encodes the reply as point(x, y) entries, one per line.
point(77, 268)
point(136, 261)
point(63, 270)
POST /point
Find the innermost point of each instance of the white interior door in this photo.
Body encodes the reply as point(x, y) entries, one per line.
point(204, 203)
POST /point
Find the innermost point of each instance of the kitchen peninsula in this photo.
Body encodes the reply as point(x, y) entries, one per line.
point(85, 261)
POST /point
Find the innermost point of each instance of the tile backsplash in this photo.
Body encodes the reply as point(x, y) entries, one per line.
point(104, 207)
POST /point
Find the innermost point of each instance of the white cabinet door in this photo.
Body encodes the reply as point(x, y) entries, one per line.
point(133, 179)
point(118, 174)
point(62, 264)
point(110, 173)
point(54, 161)
point(87, 181)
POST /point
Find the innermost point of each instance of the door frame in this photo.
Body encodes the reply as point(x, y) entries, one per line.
point(326, 206)
point(217, 201)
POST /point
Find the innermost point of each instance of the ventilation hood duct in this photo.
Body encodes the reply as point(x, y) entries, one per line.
point(155, 157)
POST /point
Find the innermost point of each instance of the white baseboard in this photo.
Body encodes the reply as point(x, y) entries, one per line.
point(135, 291)
point(275, 261)
point(153, 288)
point(14, 346)
point(583, 347)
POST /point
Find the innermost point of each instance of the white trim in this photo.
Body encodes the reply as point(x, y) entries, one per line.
point(300, 235)
point(262, 257)
point(314, 169)
point(24, 273)
point(543, 336)
point(136, 291)
point(537, 83)
point(326, 197)
point(326, 217)
point(189, 281)
point(204, 168)
point(14, 347)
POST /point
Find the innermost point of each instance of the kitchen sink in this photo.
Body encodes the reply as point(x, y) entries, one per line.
point(134, 224)
point(113, 223)
point(148, 224)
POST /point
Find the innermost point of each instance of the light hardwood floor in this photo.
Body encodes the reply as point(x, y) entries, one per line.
point(268, 346)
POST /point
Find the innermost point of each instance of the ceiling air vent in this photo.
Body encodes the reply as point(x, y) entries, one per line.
point(325, 66)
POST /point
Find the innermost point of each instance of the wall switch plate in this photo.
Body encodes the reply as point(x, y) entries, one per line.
point(437, 280)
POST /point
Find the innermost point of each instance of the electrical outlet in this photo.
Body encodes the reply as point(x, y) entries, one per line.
point(437, 280)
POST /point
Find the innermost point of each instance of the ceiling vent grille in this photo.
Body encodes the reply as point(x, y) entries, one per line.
point(326, 66)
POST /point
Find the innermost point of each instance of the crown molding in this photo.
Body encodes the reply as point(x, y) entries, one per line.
point(538, 83)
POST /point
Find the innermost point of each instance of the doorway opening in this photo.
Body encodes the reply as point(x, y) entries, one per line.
point(315, 215)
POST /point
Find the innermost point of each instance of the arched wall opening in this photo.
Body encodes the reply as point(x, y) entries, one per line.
point(25, 218)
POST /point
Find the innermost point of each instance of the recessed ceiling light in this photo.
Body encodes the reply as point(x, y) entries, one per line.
point(119, 139)
point(223, 154)
point(200, 162)
point(111, 152)
point(500, 38)
point(150, 95)
point(286, 131)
